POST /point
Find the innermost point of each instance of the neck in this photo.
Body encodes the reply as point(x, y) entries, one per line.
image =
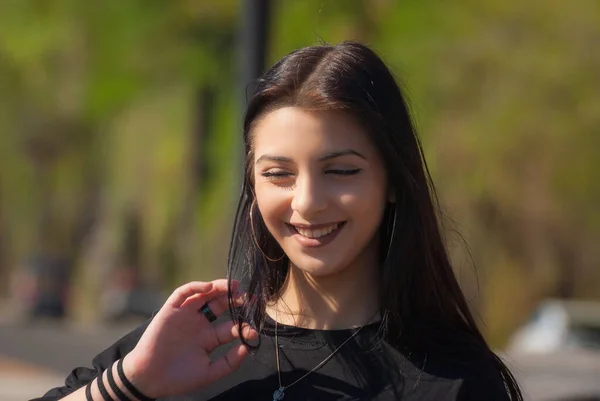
point(343, 300)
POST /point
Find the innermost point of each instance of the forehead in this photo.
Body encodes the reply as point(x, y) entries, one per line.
point(294, 130)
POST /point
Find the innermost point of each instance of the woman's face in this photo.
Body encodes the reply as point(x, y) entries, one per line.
point(321, 188)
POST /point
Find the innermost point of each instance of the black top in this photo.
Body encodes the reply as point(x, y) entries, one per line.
point(365, 368)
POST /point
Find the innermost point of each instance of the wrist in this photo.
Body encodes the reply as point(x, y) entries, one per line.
point(135, 372)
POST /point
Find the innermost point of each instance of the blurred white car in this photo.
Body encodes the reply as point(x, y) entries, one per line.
point(559, 325)
point(555, 356)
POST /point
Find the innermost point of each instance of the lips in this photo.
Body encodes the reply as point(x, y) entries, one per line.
point(316, 235)
point(316, 232)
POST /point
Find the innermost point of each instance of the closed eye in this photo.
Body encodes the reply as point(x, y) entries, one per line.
point(344, 172)
point(275, 174)
point(280, 179)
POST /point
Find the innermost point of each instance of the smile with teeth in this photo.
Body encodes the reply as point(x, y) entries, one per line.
point(317, 232)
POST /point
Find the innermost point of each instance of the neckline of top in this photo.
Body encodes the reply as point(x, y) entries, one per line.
point(315, 337)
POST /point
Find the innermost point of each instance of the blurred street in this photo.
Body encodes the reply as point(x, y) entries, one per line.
point(21, 381)
point(558, 377)
point(35, 358)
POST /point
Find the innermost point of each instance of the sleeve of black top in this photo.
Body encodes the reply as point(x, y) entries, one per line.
point(81, 376)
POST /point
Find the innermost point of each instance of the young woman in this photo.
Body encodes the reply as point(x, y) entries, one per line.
point(348, 290)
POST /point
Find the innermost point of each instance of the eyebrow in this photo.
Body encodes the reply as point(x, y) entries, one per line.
point(325, 157)
point(339, 153)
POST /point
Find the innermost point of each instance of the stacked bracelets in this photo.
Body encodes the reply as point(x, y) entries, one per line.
point(121, 396)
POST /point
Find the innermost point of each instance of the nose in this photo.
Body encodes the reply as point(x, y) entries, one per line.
point(309, 197)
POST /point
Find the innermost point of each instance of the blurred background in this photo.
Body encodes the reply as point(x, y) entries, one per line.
point(120, 161)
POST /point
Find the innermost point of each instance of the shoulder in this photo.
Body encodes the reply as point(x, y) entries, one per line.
point(483, 379)
point(471, 376)
point(476, 377)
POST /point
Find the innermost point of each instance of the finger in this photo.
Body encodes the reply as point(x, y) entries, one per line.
point(179, 296)
point(221, 286)
point(228, 332)
point(217, 305)
point(227, 364)
point(235, 286)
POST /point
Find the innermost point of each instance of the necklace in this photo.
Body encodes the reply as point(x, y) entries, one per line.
point(280, 392)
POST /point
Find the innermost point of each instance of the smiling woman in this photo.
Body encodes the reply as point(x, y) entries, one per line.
point(347, 284)
point(322, 197)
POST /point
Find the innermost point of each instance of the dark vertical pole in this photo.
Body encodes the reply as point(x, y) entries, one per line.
point(253, 41)
point(253, 48)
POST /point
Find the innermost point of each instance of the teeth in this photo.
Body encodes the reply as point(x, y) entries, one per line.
point(317, 233)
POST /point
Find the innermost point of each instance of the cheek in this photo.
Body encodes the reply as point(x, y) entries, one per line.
point(366, 206)
point(364, 210)
point(366, 194)
point(274, 205)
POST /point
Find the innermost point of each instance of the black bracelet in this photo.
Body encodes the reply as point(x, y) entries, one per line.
point(113, 385)
point(130, 385)
point(88, 391)
point(102, 389)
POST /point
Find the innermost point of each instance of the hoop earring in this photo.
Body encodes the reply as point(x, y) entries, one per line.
point(393, 214)
point(254, 236)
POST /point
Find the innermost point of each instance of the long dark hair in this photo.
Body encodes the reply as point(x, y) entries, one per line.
point(421, 303)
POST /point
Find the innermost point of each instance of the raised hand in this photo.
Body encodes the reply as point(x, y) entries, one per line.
point(173, 355)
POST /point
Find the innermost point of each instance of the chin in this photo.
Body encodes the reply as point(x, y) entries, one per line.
point(317, 268)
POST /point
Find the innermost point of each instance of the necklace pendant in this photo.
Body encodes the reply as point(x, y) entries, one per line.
point(278, 394)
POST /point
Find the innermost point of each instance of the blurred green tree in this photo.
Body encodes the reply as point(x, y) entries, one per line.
point(117, 122)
